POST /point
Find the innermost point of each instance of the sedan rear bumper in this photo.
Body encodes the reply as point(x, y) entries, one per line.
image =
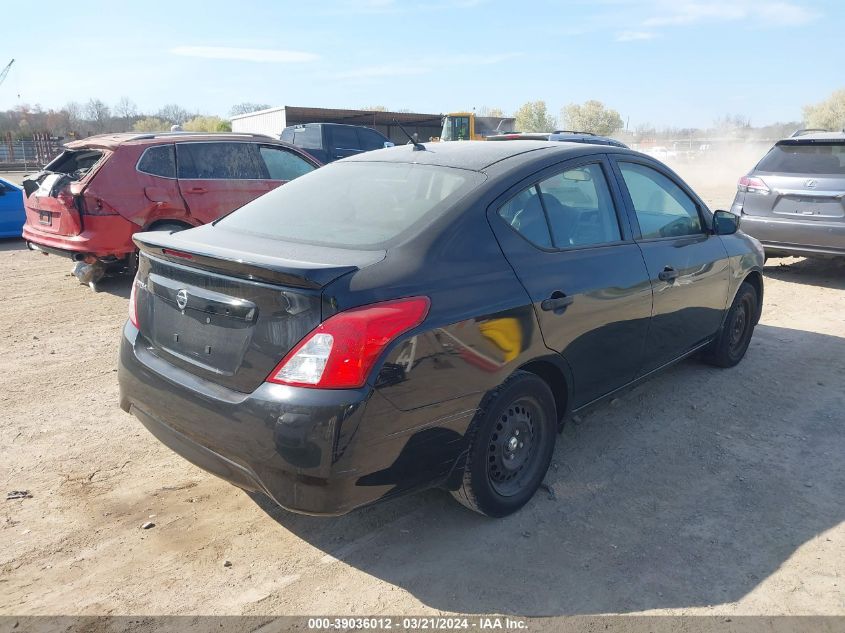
point(312, 451)
point(806, 238)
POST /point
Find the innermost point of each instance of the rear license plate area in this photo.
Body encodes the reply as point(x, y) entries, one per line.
point(213, 342)
point(45, 217)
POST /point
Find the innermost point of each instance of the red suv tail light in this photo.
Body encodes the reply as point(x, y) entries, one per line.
point(341, 351)
point(750, 183)
point(133, 307)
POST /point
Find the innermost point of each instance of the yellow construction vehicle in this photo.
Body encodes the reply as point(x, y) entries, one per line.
point(466, 126)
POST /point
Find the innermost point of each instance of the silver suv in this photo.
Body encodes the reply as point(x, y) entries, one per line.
point(793, 201)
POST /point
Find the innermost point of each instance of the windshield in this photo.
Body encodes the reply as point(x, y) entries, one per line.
point(455, 128)
point(805, 158)
point(358, 205)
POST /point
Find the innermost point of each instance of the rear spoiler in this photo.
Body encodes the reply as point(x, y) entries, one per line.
point(247, 263)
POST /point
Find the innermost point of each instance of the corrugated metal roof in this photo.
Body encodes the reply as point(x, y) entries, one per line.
point(299, 114)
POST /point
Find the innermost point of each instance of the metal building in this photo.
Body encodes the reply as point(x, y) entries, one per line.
point(273, 120)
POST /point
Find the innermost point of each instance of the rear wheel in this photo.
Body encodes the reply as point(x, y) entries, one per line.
point(511, 442)
point(733, 339)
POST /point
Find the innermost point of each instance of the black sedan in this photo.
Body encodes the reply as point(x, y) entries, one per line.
point(427, 316)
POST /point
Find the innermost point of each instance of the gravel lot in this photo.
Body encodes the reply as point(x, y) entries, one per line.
point(702, 491)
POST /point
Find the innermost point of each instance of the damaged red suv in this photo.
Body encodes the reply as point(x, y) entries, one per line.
point(89, 202)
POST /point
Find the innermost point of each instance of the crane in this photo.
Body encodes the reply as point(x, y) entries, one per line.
point(5, 71)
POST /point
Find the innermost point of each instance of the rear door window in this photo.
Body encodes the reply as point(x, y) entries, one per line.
point(220, 161)
point(524, 213)
point(580, 208)
point(345, 138)
point(159, 161)
point(805, 158)
point(283, 164)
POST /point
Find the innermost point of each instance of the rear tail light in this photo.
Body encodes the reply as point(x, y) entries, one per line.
point(341, 351)
point(133, 306)
point(750, 183)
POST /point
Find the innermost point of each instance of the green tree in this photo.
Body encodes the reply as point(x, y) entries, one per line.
point(534, 117)
point(591, 116)
point(206, 124)
point(828, 114)
point(151, 124)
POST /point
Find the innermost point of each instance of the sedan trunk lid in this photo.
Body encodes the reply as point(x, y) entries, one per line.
point(230, 313)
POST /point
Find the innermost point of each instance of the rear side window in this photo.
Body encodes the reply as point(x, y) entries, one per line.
point(805, 158)
point(354, 205)
point(524, 213)
point(282, 164)
point(661, 206)
point(308, 137)
point(159, 161)
point(220, 161)
point(370, 140)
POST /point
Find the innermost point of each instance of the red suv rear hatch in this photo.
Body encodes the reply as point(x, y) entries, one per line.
point(55, 196)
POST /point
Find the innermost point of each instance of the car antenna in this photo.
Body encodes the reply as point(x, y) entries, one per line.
point(418, 147)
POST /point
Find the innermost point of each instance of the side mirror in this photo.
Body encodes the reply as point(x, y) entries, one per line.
point(388, 144)
point(725, 222)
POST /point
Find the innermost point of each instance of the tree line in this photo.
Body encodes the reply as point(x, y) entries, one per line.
point(78, 120)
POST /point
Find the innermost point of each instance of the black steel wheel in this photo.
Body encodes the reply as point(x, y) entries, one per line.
point(734, 337)
point(511, 443)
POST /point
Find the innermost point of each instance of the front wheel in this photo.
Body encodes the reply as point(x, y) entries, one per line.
point(511, 440)
point(733, 339)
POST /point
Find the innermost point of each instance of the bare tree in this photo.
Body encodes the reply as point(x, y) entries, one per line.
point(174, 113)
point(97, 114)
point(126, 108)
point(246, 107)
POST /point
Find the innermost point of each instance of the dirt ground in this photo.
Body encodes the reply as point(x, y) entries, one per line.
point(702, 491)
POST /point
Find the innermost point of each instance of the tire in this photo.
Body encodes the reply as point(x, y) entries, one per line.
point(735, 335)
point(502, 472)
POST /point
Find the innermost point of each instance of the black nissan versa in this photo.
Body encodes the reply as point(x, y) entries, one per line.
point(427, 315)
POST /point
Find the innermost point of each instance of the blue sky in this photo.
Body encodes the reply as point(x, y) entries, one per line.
point(681, 62)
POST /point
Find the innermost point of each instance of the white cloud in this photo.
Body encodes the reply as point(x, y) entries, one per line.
point(634, 36)
point(758, 12)
point(244, 54)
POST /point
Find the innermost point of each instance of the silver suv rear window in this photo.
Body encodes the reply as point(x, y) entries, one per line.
point(361, 205)
point(805, 158)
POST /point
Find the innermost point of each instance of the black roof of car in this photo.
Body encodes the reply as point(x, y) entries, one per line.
point(475, 155)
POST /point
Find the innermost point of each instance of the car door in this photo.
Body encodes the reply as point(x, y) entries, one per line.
point(216, 177)
point(573, 251)
point(687, 264)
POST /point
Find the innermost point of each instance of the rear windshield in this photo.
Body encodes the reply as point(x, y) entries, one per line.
point(805, 158)
point(354, 205)
point(75, 162)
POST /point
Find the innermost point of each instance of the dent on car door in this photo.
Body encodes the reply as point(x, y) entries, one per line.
point(159, 190)
point(217, 177)
point(687, 264)
point(572, 250)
